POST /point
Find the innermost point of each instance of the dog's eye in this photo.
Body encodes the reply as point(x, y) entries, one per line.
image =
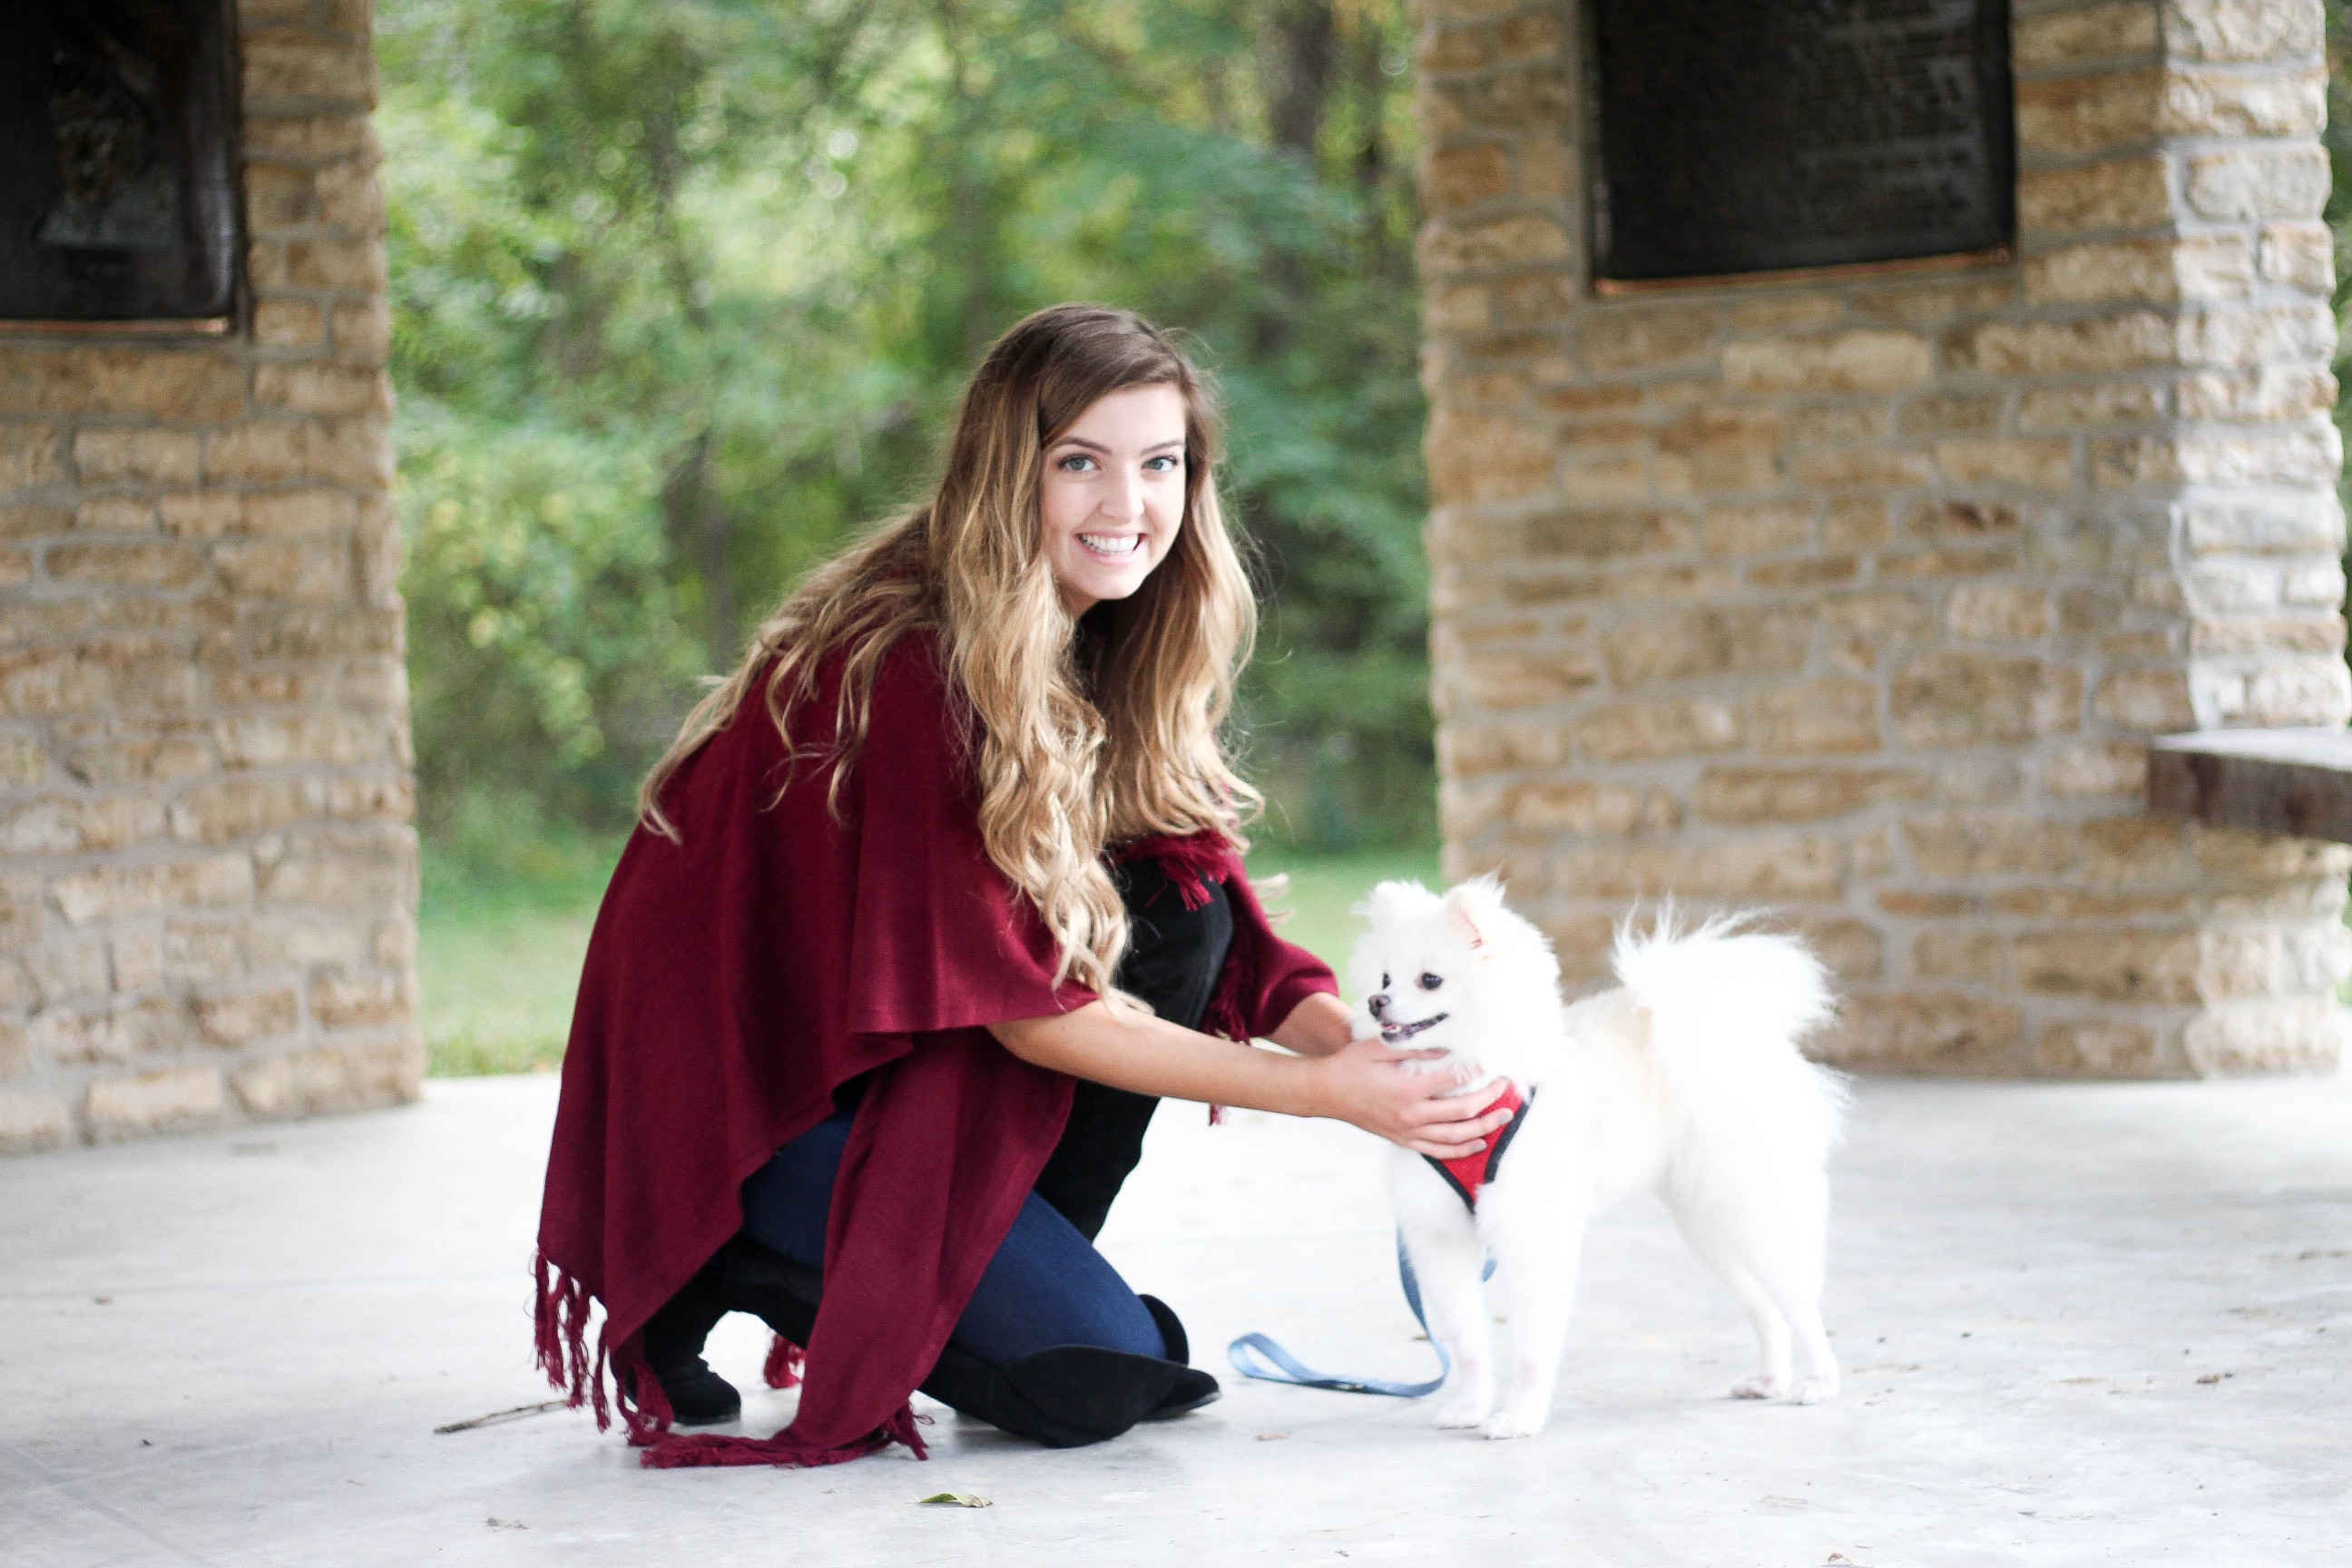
point(1384, 982)
point(1431, 982)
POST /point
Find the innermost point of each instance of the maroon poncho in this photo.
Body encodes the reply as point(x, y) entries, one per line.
point(736, 979)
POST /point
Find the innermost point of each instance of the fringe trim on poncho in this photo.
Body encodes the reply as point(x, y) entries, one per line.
point(561, 1313)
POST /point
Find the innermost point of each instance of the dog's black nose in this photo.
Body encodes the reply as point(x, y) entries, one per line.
point(1377, 1003)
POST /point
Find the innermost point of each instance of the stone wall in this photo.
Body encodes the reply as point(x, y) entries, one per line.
point(1858, 599)
point(207, 873)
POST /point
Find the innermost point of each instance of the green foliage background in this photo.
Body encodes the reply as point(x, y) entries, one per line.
point(684, 293)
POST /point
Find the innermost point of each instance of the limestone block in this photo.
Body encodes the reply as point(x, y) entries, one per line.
point(322, 389)
point(318, 569)
point(238, 808)
point(1506, 680)
point(241, 1017)
point(1756, 795)
point(1590, 532)
point(104, 454)
point(1960, 955)
point(29, 456)
point(1459, 246)
point(2097, 1047)
point(342, 1001)
point(2087, 114)
point(1996, 611)
point(1503, 101)
point(1583, 808)
point(1923, 1031)
point(2133, 341)
point(1816, 718)
point(30, 1120)
point(2250, 184)
point(2268, 393)
point(74, 824)
point(1463, 176)
point(157, 565)
point(289, 323)
point(1747, 639)
point(353, 452)
point(1644, 338)
point(2244, 30)
point(1869, 360)
point(2072, 407)
point(2126, 193)
point(1957, 698)
point(2122, 30)
point(2151, 699)
point(1957, 843)
point(1467, 749)
point(345, 1077)
point(2301, 1034)
point(189, 387)
point(108, 891)
point(1754, 867)
point(153, 1102)
point(1625, 731)
point(362, 330)
point(2008, 460)
point(306, 66)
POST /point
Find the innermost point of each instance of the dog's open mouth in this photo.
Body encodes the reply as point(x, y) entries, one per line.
point(1392, 1033)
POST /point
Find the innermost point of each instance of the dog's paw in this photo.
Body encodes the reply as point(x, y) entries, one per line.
point(1814, 1387)
point(1513, 1424)
point(1460, 1414)
point(1763, 1385)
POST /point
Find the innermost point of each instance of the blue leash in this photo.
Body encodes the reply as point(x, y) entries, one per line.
point(1244, 1351)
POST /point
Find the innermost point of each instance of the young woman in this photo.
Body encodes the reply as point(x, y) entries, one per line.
point(929, 903)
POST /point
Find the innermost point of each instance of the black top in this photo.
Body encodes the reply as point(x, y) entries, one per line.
point(1173, 958)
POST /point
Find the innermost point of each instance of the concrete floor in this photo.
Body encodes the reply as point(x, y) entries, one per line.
point(2081, 1324)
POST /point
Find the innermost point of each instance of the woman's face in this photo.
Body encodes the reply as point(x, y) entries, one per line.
point(1112, 497)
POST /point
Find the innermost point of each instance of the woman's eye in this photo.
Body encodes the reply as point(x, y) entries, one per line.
point(1159, 465)
point(1431, 982)
point(1075, 463)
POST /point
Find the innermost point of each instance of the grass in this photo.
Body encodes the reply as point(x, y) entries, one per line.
point(502, 934)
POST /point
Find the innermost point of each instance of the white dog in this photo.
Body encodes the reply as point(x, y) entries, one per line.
point(1686, 1080)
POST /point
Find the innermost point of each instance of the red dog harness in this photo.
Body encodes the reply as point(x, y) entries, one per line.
point(1469, 1173)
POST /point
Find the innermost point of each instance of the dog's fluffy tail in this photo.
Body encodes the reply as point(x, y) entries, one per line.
point(1729, 1008)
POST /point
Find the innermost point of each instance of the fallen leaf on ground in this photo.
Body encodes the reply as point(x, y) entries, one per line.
point(960, 1500)
point(1272, 1437)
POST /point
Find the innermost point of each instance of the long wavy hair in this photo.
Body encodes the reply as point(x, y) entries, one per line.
point(1086, 734)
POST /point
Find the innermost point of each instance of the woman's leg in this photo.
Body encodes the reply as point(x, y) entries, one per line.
point(1047, 1286)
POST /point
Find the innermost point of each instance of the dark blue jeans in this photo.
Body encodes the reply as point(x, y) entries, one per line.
point(1047, 1285)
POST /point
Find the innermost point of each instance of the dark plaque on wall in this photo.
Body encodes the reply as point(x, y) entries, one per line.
point(1740, 137)
point(117, 191)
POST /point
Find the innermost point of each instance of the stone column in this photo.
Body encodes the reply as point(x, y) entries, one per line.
point(1859, 598)
point(207, 871)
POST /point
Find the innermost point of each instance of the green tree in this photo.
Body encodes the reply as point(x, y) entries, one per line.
point(684, 291)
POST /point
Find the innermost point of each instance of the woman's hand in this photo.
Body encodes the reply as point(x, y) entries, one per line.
point(1362, 1082)
point(1366, 1084)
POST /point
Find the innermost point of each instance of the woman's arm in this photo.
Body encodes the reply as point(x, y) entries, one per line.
point(1362, 1082)
point(1317, 1027)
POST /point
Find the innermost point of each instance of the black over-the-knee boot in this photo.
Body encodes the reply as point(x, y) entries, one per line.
point(673, 1346)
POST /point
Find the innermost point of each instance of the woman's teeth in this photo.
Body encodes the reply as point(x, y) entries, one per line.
point(1112, 544)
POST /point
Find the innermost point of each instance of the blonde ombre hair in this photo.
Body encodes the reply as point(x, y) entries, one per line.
point(1085, 739)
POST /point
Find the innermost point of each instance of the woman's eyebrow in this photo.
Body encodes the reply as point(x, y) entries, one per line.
point(1099, 446)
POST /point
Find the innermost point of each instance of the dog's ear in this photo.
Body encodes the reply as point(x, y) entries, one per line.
point(1471, 907)
point(1392, 901)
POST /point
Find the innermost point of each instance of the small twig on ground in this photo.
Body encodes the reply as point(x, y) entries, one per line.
point(495, 1417)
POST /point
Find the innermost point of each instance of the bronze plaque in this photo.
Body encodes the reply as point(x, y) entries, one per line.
point(117, 189)
point(1746, 136)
